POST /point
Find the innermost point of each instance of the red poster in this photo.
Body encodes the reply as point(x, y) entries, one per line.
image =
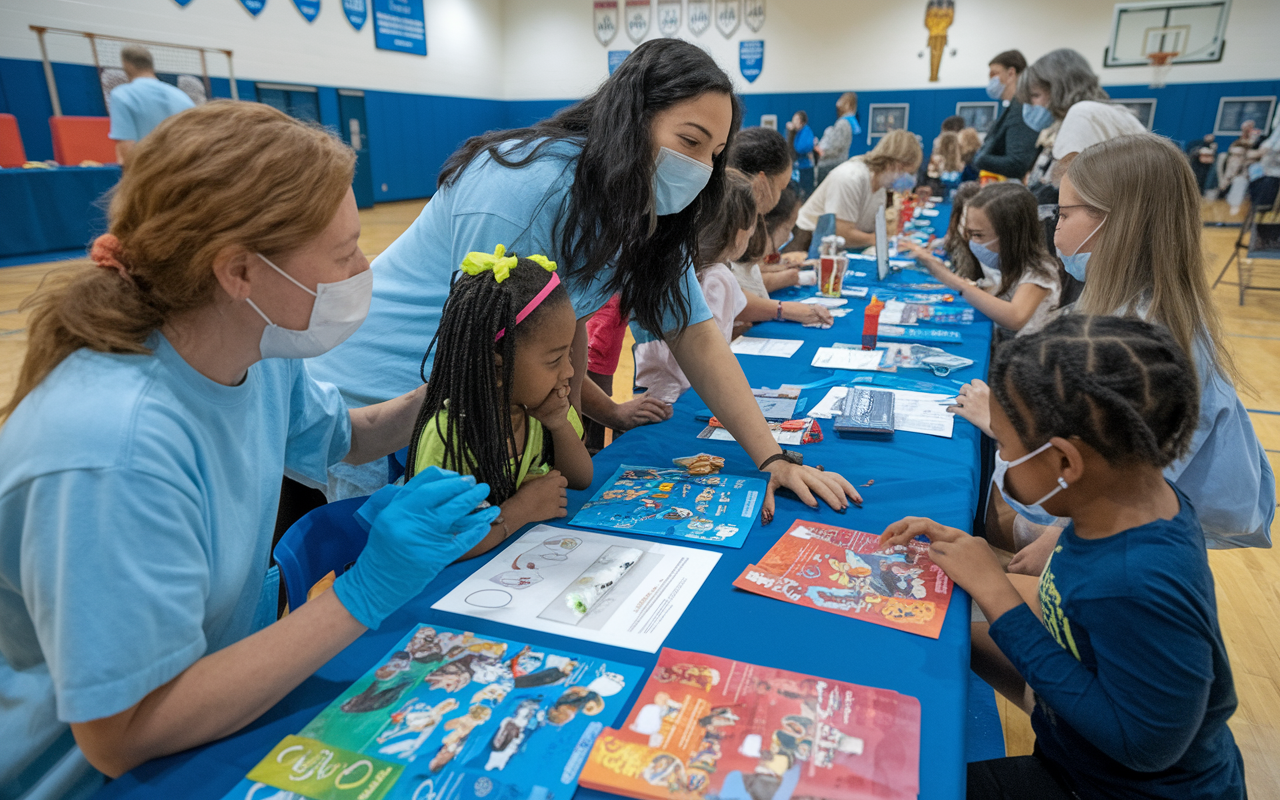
point(711, 727)
point(844, 572)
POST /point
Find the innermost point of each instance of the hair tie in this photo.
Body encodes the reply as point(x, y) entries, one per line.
point(498, 263)
point(106, 252)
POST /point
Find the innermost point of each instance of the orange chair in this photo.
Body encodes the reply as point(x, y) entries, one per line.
point(12, 153)
point(77, 139)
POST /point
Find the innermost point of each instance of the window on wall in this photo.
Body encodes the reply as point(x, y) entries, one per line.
point(300, 102)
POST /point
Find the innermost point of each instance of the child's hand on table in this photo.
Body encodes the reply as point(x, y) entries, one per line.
point(537, 500)
point(973, 402)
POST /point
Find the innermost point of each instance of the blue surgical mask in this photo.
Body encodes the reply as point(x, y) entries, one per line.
point(985, 255)
point(903, 183)
point(1037, 117)
point(677, 181)
point(1033, 512)
point(995, 89)
point(1077, 263)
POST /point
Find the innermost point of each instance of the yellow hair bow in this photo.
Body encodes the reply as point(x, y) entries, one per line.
point(499, 263)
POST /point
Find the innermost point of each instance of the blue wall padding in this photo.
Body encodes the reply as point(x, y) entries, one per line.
point(411, 135)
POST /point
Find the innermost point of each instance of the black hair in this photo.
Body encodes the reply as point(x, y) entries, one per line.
point(1015, 220)
point(1011, 58)
point(787, 202)
point(611, 218)
point(737, 211)
point(1123, 386)
point(465, 377)
point(758, 150)
point(954, 124)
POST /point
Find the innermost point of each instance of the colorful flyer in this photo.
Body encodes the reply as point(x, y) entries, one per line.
point(844, 572)
point(671, 503)
point(451, 715)
point(708, 727)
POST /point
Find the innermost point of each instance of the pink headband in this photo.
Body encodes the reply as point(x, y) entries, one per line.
point(534, 303)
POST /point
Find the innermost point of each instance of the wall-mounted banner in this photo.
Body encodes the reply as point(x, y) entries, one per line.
point(616, 57)
point(668, 17)
point(639, 12)
point(754, 14)
point(309, 9)
point(399, 25)
point(606, 20)
point(699, 16)
point(357, 12)
point(751, 58)
point(182, 3)
point(254, 7)
point(728, 15)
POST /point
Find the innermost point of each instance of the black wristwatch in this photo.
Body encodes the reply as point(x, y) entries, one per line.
point(785, 455)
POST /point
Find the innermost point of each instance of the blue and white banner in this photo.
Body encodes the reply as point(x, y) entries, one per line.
point(616, 57)
point(357, 12)
point(668, 17)
point(605, 18)
point(751, 58)
point(309, 9)
point(639, 13)
point(399, 25)
point(254, 7)
point(182, 3)
point(699, 16)
point(728, 15)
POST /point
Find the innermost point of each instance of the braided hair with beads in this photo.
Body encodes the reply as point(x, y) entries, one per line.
point(1120, 385)
point(478, 326)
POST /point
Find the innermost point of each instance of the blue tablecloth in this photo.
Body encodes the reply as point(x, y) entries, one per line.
point(914, 474)
point(46, 210)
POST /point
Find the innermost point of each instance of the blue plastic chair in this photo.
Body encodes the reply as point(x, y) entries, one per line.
point(327, 539)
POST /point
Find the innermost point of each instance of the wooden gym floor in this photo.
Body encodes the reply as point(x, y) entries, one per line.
point(1248, 581)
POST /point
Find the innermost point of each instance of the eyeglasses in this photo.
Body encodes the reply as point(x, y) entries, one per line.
point(1053, 211)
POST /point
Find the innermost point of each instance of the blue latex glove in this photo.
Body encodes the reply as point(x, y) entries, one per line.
point(427, 526)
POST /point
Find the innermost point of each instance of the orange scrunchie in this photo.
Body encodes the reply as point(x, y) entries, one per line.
point(106, 252)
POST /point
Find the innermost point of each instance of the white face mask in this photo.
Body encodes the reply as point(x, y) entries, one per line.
point(339, 309)
point(677, 181)
point(1033, 511)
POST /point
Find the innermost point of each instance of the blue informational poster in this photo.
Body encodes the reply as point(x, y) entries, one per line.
point(309, 9)
point(399, 25)
point(616, 57)
point(254, 7)
point(751, 58)
point(672, 503)
point(357, 12)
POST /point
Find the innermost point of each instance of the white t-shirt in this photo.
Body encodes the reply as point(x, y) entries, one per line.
point(656, 367)
point(750, 279)
point(847, 193)
point(1089, 122)
point(1043, 311)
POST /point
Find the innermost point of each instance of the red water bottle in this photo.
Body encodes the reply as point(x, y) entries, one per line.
point(871, 323)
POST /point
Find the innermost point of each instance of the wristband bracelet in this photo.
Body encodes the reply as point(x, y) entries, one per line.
point(779, 317)
point(785, 455)
point(501, 520)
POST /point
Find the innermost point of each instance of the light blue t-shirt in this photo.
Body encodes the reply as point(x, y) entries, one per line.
point(141, 104)
point(486, 206)
point(137, 504)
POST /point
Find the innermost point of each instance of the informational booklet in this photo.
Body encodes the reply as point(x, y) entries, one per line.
point(753, 346)
point(897, 312)
point(585, 585)
point(844, 572)
point(674, 504)
point(846, 358)
point(791, 432)
point(913, 412)
point(451, 715)
point(708, 727)
point(777, 405)
point(918, 335)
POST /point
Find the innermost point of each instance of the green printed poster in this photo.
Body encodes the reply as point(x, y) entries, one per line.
point(322, 772)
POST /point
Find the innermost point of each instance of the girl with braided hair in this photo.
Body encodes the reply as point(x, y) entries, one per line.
point(497, 402)
point(1115, 651)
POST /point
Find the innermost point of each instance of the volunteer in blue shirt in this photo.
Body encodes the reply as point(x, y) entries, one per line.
point(138, 106)
point(161, 398)
point(612, 189)
point(800, 137)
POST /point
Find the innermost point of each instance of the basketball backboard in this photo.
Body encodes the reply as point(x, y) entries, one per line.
point(1192, 29)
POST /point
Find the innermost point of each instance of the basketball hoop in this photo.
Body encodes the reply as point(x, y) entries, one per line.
point(1161, 63)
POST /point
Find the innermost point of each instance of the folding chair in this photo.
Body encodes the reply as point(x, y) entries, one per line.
point(12, 153)
point(328, 539)
point(77, 139)
point(1258, 239)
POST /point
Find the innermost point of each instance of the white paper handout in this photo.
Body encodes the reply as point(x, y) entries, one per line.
point(829, 302)
point(892, 312)
point(913, 412)
point(584, 585)
point(754, 346)
point(842, 358)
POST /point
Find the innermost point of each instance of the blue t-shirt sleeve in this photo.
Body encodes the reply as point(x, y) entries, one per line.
point(853, 125)
point(319, 428)
point(804, 140)
point(1148, 697)
point(123, 125)
point(114, 575)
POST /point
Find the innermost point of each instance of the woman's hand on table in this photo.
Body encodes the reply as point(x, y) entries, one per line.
point(805, 483)
point(973, 402)
point(641, 410)
point(806, 313)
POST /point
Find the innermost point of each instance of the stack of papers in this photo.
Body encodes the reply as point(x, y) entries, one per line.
point(753, 346)
point(846, 358)
point(913, 412)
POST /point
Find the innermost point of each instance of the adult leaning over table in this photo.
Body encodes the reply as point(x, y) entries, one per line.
point(613, 189)
point(160, 400)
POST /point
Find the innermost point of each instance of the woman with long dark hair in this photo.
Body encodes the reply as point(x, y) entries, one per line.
point(613, 189)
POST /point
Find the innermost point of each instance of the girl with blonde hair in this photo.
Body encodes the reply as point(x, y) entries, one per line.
point(161, 399)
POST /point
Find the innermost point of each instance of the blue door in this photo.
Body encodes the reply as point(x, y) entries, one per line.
point(354, 129)
point(300, 102)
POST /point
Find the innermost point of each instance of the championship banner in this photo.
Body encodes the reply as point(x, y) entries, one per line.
point(400, 25)
point(699, 16)
point(357, 12)
point(254, 7)
point(728, 15)
point(751, 58)
point(754, 14)
point(606, 20)
point(309, 9)
point(668, 17)
point(639, 12)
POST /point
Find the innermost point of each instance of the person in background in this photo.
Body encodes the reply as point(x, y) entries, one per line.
point(779, 270)
point(1010, 146)
point(764, 156)
point(956, 243)
point(855, 189)
point(970, 144)
point(833, 148)
point(606, 331)
point(1241, 155)
point(941, 174)
point(800, 140)
point(952, 124)
point(1203, 154)
point(144, 102)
